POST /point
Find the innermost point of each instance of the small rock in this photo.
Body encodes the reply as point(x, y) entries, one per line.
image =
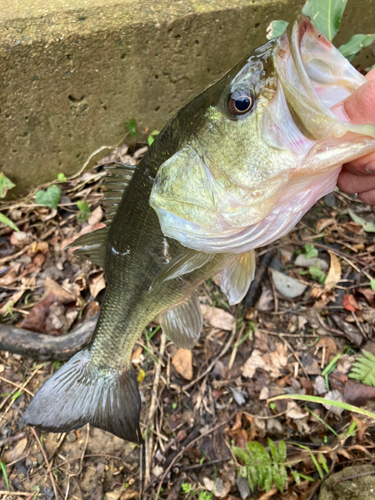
point(243, 487)
point(330, 200)
point(40, 458)
point(303, 261)
point(71, 437)
point(287, 286)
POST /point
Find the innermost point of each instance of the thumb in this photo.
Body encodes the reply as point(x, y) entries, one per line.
point(359, 108)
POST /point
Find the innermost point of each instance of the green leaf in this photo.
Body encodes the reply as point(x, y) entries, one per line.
point(369, 227)
point(275, 29)
point(61, 177)
point(5, 184)
point(151, 137)
point(84, 211)
point(355, 44)
point(372, 284)
point(49, 198)
point(4, 471)
point(326, 15)
point(318, 274)
point(132, 127)
point(310, 251)
point(363, 369)
point(4, 219)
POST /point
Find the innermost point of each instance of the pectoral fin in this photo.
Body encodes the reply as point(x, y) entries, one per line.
point(183, 324)
point(93, 246)
point(236, 279)
point(187, 262)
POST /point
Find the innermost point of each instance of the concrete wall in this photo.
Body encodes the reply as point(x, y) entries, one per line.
point(73, 72)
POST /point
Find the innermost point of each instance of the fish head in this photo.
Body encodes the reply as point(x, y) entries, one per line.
point(261, 145)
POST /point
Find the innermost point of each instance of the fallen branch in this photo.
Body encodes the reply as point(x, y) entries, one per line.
point(44, 347)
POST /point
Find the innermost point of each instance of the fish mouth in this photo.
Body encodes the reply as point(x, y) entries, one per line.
point(315, 77)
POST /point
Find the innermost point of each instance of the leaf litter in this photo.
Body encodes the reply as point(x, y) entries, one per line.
point(304, 335)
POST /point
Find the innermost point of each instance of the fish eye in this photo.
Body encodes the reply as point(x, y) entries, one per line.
point(240, 102)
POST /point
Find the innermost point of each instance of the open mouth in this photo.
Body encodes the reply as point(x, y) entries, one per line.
point(315, 77)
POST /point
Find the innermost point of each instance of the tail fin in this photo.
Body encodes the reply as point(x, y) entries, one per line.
point(79, 394)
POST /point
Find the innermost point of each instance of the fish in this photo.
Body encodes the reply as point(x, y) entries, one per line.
point(235, 169)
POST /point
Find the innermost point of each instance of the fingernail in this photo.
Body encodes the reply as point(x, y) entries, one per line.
point(339, 111)
point(370, 167)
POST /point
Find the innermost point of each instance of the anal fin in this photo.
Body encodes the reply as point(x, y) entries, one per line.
point(79, 394)
point(236, 279)
point(183, 324)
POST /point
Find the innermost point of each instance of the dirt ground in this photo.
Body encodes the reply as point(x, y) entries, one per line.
point(196, 406)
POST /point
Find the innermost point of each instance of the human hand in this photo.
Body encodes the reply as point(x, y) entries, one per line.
point(358, 176)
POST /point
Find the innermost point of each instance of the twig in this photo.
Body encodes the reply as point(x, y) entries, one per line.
point(225, 349)
point(348, 478)
point(46, 461)
point(235, 348)
point(20, 388)
point(149, 438)
point(16, 385)
point(89, 159)
point(17, 493)
point(181, 452)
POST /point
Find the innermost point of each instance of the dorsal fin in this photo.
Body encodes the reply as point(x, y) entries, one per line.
point(115, 182)
point(183, 324)
point(236, 279)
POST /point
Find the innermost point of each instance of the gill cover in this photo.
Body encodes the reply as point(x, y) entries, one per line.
point(240, 182)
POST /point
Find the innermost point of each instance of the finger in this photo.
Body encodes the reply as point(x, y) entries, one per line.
point(371, 75)
point(360, 106)
point(362, 166)
point(350, 183)
point(368, 197)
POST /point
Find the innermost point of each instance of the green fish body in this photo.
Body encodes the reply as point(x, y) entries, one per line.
point(235, 169)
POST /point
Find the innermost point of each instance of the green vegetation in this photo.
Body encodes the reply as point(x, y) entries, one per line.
point(84, 211)
point(6, 184)
point(49, 198)
point(363, 369)
point(261, 468)
point(326, 16)
point(132, 127)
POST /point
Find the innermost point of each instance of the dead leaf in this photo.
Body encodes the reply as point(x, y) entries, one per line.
point(369, 295)
point(358, 394)
point(350, 304)
point(330, 346)
point(183, 362)
point(51, 286)
point(97, 283)
point(218, 318)
point(16, 452)
point(136, 355)
point(333, 396)
point(324, 223)
point(11, 302)
point(38, 246)
point(36, 319)
point(271, 362)
point(334, 273)
point(96, 216)
point(320, 385)
point(295, 412)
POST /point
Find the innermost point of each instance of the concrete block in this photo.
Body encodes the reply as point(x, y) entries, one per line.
point(73, 72)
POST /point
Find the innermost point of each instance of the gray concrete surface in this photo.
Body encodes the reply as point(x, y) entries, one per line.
point(73, 72)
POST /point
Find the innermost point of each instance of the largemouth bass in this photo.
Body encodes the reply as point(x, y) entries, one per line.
point(235, 169)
